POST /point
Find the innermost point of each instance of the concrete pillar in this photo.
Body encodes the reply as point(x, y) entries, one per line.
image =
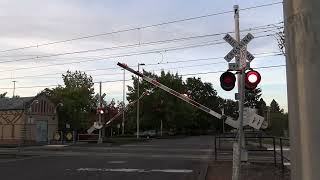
point(302, 29)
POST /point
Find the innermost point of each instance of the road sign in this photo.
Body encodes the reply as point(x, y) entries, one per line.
point(250, 118)
point(57, 136)
point(235, 123)
point(243, 58)
point(256, 121)
point(69, 136)
point(238, 46)
point(233, 66)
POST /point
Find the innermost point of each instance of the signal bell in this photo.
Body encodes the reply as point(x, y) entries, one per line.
point(227, 81)
point(252, 79)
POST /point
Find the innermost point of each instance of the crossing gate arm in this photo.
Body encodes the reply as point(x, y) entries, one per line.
point(126, 108)
point(92, 128)
point(171, 91)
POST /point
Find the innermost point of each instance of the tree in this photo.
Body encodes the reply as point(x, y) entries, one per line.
point(261, 106)
point(279, 123)
point(279, 119)
point(159, 105)
point(3, 95)
point(252, 97)
point(203, 93)
point(77, 98)
point(176, 115)
point(274, 106)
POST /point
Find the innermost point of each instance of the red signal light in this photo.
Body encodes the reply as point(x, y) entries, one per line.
point(227, 81)
point(252, 79)
point(100, 111)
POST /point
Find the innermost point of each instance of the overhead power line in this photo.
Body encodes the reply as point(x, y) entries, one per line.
point(265, 54)
point(265, 28)
point(190, 46)
point(141, 27)
point(121, 80)
point(212, 72)
point(126, 46)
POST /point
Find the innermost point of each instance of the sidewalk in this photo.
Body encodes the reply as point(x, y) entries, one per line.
point(222, 170)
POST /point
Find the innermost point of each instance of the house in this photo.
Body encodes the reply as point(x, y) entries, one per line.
point(27, 120)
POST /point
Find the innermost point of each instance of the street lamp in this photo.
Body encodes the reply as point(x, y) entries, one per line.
point(138, 101)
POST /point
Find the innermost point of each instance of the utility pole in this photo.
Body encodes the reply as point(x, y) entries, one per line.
point(14, 88)
point(302, 40)
point(124, 96)
point(241, 89)
point(138, 102)
point(240, 147)
point(99, 114)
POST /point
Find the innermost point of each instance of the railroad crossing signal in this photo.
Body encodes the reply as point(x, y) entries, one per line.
point(237, 47)
point(240, 52)
point(252, 79)
point(227, 81)
point(100, 110)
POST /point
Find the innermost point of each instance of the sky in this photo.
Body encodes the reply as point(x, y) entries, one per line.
point(36, 22)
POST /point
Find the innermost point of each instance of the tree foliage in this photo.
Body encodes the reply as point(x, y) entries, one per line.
point(77, 96)
point(252, 97)
point(176, 115)
point(274, 106)
point(262, 107)
point(77, 99)
point(3, 95)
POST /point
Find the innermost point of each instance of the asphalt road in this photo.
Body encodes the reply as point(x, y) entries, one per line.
point(183, 158)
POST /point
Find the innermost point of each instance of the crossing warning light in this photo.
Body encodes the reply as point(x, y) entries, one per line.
point(227, 81)
point(252, 79)
point(100, 111)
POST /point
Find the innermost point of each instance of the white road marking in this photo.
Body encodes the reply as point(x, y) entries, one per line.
point(138, 149)
point(172, 170)
point(140, 145)
point(278, 149)
point(128, 170)
point(225, 153)
point(56, 145)
point(287, 164)
point(116, 162)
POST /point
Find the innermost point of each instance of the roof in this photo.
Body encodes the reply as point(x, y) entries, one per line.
point(14, 103)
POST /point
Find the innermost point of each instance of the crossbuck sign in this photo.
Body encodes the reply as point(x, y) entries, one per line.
point(237, 47)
